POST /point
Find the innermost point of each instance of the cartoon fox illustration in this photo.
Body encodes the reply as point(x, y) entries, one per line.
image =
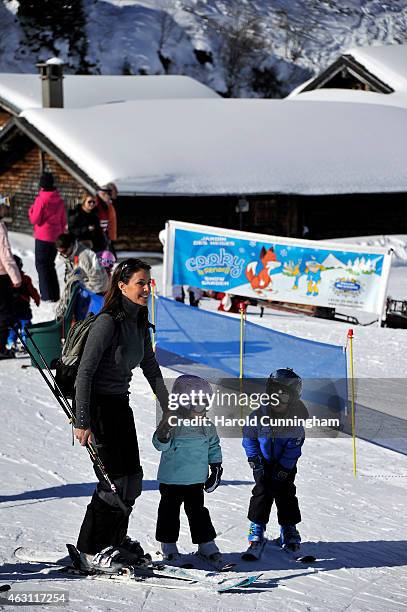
point(258, 272)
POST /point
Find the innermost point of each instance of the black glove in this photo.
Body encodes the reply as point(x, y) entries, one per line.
point(213, 480)
point(163, 429)
point(279, 473)
point(257, 465)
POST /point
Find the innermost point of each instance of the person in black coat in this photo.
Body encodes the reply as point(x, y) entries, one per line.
point(118, 341)
point(84, 224)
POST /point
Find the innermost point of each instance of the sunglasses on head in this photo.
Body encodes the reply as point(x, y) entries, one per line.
point(128, 268)
point(123, 266)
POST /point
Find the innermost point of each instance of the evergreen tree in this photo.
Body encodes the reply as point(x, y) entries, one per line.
point(52, 25)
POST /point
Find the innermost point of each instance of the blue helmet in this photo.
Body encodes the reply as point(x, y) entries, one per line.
point(285, 379)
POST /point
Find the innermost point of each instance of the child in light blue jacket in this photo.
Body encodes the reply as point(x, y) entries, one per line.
point(189, 447)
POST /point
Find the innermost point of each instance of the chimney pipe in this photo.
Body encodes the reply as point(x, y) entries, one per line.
point(51, 74)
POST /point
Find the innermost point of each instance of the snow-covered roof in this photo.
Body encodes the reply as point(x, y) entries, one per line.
point(23, 91)
point(330, 94)
point(234, 146)
point(387, 62)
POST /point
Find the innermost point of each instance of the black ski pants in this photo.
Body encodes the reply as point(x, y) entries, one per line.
point(266, 491)
point(115, 437)
point(6, 300)
point(168, 524)
point(45, 253)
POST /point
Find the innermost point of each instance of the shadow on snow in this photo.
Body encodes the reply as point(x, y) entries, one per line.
point(85, 489)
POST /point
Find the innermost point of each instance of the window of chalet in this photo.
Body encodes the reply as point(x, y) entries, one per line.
point(344, 79)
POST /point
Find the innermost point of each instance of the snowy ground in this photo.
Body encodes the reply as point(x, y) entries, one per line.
point(353, 525)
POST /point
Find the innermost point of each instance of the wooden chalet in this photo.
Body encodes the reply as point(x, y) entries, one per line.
point(259, 165)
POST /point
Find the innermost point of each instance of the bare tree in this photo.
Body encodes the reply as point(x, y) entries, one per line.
point(241, 40)
point(167, 29)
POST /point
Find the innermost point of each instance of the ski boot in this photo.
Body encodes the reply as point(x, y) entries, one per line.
point(209, 550)
point(290, 537)
point(134, 552)
point(170, 551)
point(257, 542)
point(110, 560)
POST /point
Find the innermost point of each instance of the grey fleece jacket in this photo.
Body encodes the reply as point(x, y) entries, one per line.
point(112, 350)
point(84, 266)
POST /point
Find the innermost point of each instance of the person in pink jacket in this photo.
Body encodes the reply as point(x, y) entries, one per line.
point(9, 277)
point(48, 215)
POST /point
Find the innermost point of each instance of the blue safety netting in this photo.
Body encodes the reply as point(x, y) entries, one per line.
point(191, 340)
point(187, 335)
point(214, 339)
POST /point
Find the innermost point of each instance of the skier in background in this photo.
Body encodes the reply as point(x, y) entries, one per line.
point(48, 216)
point(107, 261)
point(107, 216)
point(83, 223)
point(22, 312)
point(187, 453)
point(273, 454)
point(10, 278)
point(195, 295)
point(178, 293)
point(229, 302)
point(81, 266)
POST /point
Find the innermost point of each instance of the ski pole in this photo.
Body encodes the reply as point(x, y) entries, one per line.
point(352, 379)
point(56, 391)
point(63, 402)
point(153, 309)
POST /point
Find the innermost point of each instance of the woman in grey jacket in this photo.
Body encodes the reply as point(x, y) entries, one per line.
point(118, 341)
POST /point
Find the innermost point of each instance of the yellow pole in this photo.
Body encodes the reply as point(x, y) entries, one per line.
point(241, 342)
point(352, 383)
point(153, 310)
point(242, 320)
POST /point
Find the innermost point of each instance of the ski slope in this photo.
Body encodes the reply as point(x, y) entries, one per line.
point(354, 526)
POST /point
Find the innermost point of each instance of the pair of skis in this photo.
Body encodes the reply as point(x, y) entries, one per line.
point(156, 574)
point(190, 561)
point(294, 552)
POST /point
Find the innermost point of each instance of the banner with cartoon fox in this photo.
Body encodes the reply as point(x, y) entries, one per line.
point(276, 268)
